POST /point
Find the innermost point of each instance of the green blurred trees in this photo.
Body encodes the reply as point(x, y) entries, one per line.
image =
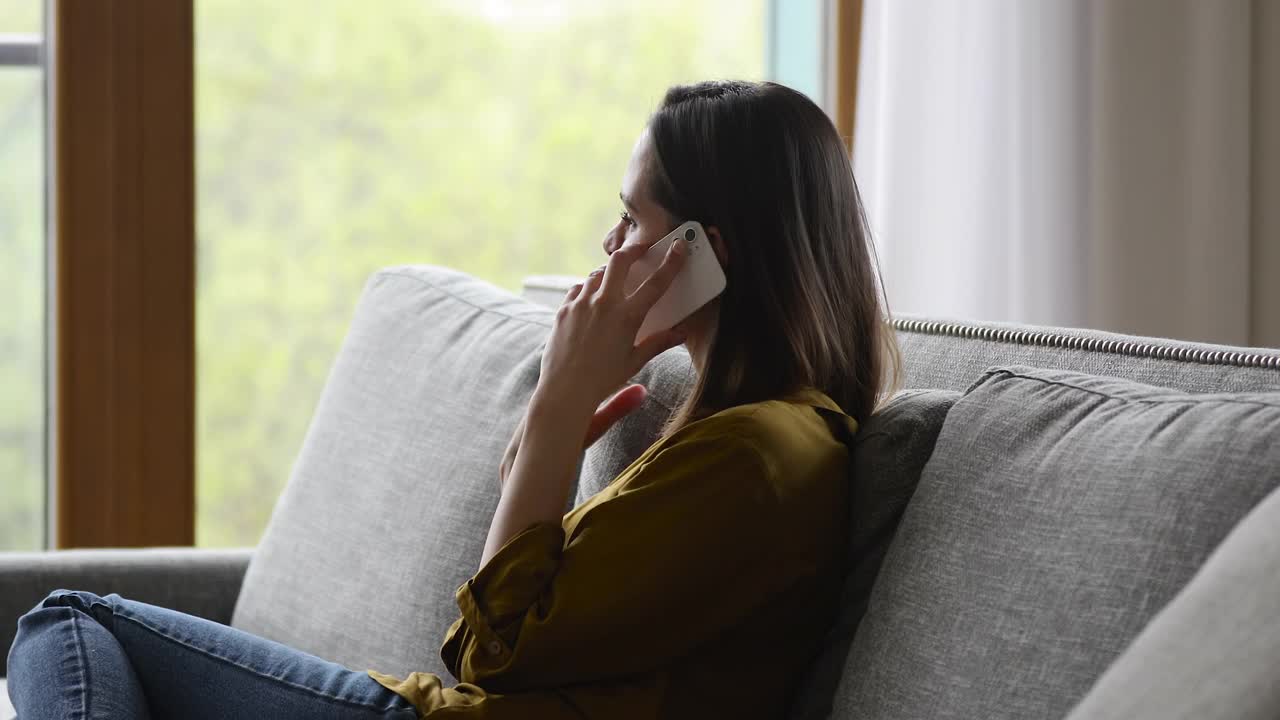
point(21, 17)
point(21, 292)
point(335, 138)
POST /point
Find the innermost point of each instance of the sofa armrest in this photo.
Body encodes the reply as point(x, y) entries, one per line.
point(200, 582)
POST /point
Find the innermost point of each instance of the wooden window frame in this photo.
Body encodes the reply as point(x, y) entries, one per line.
point(847, 28)
point(124, 268)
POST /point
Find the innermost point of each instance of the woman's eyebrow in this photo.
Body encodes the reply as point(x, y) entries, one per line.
point(626, 201)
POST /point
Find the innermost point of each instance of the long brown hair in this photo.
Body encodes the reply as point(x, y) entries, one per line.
point(803, 306)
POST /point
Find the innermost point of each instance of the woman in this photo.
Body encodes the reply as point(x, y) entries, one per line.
point(699, 583)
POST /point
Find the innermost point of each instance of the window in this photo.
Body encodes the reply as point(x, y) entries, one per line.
point(485, 135)
point(22, 278)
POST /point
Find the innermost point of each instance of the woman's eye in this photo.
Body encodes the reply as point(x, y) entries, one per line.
point(626, 218)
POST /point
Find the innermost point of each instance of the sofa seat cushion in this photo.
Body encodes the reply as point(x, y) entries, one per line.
point(1058, 513)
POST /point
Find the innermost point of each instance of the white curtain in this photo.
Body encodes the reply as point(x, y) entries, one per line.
point(1076, 163)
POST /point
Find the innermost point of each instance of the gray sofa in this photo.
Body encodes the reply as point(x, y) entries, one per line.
point(1047, 523)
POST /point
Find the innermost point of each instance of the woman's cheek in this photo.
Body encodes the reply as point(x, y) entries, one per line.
point(640, 236)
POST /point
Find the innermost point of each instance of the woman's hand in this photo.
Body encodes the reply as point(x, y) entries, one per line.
point(592, 351)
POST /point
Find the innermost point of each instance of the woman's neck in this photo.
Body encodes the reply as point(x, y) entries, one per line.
point(699, 330)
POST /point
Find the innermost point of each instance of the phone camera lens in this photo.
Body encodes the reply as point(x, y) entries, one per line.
point(689, 234)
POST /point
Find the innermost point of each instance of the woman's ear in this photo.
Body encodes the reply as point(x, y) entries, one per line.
point(717, 244)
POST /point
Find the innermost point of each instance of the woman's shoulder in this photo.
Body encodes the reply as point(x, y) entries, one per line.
point(779, 453)
point(784, 431)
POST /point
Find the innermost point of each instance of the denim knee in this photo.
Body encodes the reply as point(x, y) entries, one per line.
point(78, 599)
point(100, 608)
point(58, 598)
point(49, 662)
point(43, 633)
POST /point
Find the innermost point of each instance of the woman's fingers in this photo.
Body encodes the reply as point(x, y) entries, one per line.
point(592, 283)
point(612, 410)
point(620, 262)
point(652, 288)
point(592, 342)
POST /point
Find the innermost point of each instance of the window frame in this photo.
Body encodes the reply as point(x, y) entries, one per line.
point(123, 285)
point(20, 50)
point(814, 46)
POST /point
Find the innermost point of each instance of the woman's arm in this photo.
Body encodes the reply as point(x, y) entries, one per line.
point(590, 353)
point(615, 408)
point(691, 545)
point(537, 487)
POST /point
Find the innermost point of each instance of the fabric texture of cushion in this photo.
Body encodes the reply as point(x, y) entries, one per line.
point(890, 452)
point(389, 503)
point(667, 378)
point(1214, 650)
point(1058, 513)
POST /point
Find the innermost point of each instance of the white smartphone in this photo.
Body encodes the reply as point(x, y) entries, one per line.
point(699, 281)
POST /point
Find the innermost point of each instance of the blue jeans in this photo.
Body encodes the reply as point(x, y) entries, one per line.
point(81, 656)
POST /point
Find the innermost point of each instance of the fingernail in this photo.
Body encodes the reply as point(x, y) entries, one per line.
point(678, 247)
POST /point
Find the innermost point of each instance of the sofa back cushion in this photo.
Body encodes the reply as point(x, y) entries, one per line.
point(390, 499)
point(1058, 513)
point(1214, 649)
point(889, 453)
point(667, 378)
point(387, 508)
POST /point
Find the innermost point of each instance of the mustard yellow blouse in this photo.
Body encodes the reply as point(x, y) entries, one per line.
point(696, 585)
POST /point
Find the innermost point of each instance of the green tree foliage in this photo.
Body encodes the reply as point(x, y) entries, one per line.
point(21, 292)
point(335, 138)
point(21, 17)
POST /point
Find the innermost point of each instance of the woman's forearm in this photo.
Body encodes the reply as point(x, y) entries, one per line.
point(538, 485)
point(590, 353)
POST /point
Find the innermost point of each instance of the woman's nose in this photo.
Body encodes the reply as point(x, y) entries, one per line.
point(612, 241)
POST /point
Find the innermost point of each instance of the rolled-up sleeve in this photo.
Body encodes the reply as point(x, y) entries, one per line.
point(683, 551)
point(495, 600)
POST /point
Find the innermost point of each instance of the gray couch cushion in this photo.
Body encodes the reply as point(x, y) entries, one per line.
point(667, 378)
point(387, 509)
point(890, 451)
point(1214, 651)
point(1058, 514)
